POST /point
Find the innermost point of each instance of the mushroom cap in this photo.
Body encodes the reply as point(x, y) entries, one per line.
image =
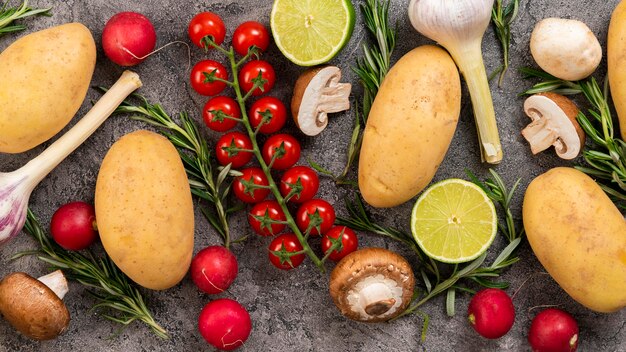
point(364, 271)
point(564, 48)
point(317, 93)
point(554, 121)
point(32, 308)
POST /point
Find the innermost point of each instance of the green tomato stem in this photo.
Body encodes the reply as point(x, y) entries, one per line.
point(241, 99)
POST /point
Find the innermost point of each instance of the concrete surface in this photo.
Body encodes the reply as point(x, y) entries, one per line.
point(292, 311)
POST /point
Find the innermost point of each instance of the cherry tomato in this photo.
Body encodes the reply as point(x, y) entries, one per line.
point(303, 179)
point(263, 212)
point(285, 150)
point(206, 24)
point(319, 210)
point(287, 242)
point(273, 110)
point(242, 186)
point(201, 77)
point(248, 34)
point(349, 242)
point(221, 105)
point(250, 71)
point(73, 226)
point(238, 158)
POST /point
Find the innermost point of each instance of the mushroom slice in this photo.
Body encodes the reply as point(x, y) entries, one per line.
point(554, 124)
point(317, 93)
point(372, 285)
point(33, 308)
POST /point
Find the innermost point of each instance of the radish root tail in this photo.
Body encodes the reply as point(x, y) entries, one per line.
point(161, 48)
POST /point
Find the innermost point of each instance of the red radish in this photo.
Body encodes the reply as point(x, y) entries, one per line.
point(491, 313)
point(73, 226)
point(225, 324)
point(214, 269)
point(553, 330)
point(128, 38)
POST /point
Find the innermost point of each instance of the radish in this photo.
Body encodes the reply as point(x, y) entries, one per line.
point(553, 330)
point(225, 324)
point(214, 269)
point(128, 38)
point(491, 313)
point(73, 226)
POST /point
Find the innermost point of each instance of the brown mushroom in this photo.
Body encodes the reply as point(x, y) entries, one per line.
point(554, 124)
point(316, 94)
point(34, 307)
point(372, 285)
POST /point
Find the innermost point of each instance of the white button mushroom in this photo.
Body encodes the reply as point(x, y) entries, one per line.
point(34, 307)
point(372, 285)
point(317, 93)
point(566, 49)
point(554, 124)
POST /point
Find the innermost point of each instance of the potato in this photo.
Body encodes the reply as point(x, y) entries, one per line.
point(616, 56)
point(45, 77)
point(144, 210)
point(410, 127)
point(579, 236)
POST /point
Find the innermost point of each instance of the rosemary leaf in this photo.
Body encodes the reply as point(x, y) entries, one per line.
point(10, 14)
point(502, 18)
point(108, 284)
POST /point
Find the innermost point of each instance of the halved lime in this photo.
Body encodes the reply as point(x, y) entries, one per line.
point(311, 32)
point(454, 221)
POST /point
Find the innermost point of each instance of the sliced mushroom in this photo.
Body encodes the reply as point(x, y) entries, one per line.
point(317, 93)
point(554, 124)
point(35, 307)
point(372, 285)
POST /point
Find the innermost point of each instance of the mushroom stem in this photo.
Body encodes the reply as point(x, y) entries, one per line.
point(56, 282)
point(376, 298)
point(335, 97)
point(539, 136)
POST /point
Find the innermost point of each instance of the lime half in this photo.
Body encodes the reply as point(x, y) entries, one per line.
point(454, 221)
point(311, 32)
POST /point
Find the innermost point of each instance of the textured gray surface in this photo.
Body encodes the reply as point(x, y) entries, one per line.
point(291, 311)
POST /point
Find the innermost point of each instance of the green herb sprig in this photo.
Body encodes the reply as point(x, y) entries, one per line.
point(10, 14)
point(502, 17)
point(430, 271)
point(105, 282)
point(206, 182)
point(371, 70)
point(605, 157)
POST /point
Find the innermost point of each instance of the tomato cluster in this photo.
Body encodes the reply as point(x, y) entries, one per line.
point(281, 152)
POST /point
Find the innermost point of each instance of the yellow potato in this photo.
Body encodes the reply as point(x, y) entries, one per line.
point(616, 60)
point(579, 236)
point(44, 79)
point(410, 127)
point(144, 210)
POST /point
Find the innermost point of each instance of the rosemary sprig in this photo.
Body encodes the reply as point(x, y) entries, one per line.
point(502, 18)
point(10, 14)
point(430, 271)
point(605, 157)
point(371, 70)
point(106, 283)
point(206, 183)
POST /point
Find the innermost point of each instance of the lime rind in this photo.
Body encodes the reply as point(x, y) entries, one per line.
point(304, 47)
point(433, 221)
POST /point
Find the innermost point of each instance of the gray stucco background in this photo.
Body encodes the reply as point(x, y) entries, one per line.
point(292, 311)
